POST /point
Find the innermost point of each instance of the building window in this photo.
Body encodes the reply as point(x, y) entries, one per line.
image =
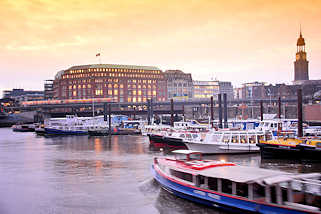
point(99, 92)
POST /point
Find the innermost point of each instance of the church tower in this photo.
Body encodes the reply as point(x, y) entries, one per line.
point(301, 65)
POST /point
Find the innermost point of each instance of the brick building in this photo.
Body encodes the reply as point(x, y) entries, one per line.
point(122, 83)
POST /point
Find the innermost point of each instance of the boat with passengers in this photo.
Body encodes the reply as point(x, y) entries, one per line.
point(237, 188)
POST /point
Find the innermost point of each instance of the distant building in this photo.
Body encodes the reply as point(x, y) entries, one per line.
point(254, 90)
point(22, 95)
point(48, 90)
point(238, 93)
point(226, 88)
point(301, 64)
point(206, 89)
point(122, 83)
point(179, 85)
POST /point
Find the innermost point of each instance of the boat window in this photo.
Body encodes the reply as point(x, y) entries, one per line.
point(195, 157)
point(199, 180)
point(212, 184)
point(243, 139)
point(258, 191)
point(235, 139)
point(260, 138)
point(216, 137)
point(182, 175)
point(188, 136)
point(194, 136)
point(268, 136)
point(242, 189)
point(182, 135)
point(226, 138)
point(226, 186)
point(252, 139)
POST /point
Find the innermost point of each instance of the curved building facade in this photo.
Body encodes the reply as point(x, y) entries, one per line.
point(122, 83)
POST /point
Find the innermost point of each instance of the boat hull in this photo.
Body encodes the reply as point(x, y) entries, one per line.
point(221, 149)
point(157, 141)
point(290, 152)
point(114, 131)
point(215, 199)
point(49, 131)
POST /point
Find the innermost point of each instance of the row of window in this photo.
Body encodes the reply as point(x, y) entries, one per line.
point(148, 76)
point(112, 70)
point(110, 86)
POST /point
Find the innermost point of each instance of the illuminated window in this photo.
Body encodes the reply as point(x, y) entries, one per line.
point(139, 99)
point(88, 86)
point(139, 92)
point(115, 92)
point(154, 92)
point(134, 99)
point(110, 92)
point(110, 86)
point(74, 93)
point(121, 86)
point(99, 92)
point(134, 92)
point(115, 86)
point(129, 99)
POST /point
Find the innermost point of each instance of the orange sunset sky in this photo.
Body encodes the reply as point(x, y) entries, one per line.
point(231, 40)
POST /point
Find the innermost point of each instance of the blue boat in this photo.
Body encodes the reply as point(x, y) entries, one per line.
point(237, 188)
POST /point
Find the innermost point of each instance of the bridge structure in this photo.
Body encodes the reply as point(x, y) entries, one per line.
point(144, 105)
point(149, 108)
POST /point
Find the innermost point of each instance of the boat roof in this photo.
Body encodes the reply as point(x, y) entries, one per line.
point(242, 174)
point(185, 152)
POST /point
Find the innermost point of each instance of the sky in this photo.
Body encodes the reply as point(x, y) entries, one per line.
point(231, 40)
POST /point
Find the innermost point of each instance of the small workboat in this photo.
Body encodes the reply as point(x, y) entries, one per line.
point(40, 129)
point(23, 128)
point(289, 146)
point(237, 188)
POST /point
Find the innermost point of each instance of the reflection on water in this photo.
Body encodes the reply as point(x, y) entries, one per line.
point(81, 174)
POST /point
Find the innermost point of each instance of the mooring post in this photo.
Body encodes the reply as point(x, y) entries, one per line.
point(261, 109)
point(300, 127)
point(148, 111)
point(183, 110)
point(105, 111)
point(172, 113)
point(134, 113)
point(212, 112)
point(279, 107)
point(220, 125)
point(151, 111)
point(225, 110)
point(109, 119)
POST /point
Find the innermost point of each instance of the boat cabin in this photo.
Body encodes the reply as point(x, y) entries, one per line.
point(220, 180)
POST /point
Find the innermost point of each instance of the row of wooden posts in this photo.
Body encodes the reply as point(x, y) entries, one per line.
point(220, 124)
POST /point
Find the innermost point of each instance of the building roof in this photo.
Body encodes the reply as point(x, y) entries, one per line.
point(242, 174)
point(174, 72)
point(113, 66)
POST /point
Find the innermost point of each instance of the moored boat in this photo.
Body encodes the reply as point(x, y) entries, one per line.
point(237, 188)
point(23, 128)
point(228, 141)
point(71, 125)
point(289, 146)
